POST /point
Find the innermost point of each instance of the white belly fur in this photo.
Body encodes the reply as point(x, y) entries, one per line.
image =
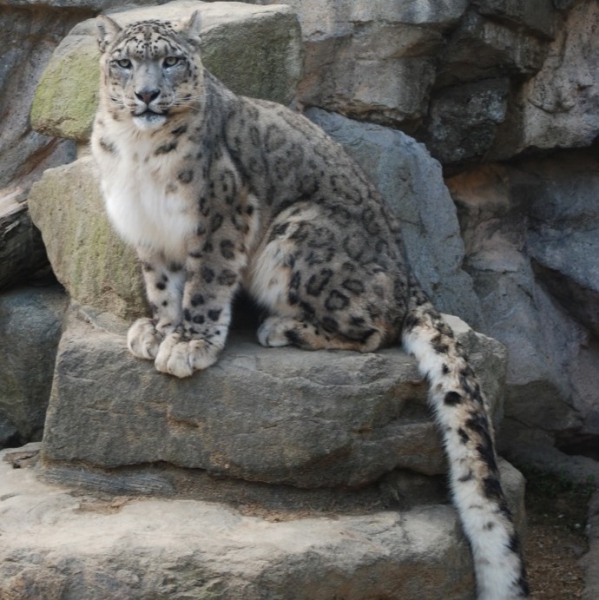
point(142, 210)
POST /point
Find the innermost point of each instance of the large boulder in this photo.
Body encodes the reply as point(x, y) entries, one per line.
point(86, 254)
point(564, 234)
point(445, 72)
point(530, 232)
point(30, 35)
point(283, 416)
point(373, 60)
point(255, 50)
point(62, 543)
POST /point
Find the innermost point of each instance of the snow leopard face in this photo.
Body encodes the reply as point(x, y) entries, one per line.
point(151, 69)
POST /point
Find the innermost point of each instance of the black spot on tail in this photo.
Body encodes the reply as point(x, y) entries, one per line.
point(479, 424)
point(523, 583)
point(492, 488)
point(464, 437)
point(439, 346)
point(452, 399)
point(514, 544)
point(411, 321)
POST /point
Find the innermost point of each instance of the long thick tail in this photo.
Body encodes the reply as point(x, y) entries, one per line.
point(460, 412)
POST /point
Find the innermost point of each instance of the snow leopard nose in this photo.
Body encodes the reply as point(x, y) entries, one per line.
point(147, 96)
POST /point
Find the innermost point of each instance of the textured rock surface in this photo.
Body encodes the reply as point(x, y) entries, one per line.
point(564, 232)
point(67, 545)
point(406, 64)
point(559, 106)
point(30, 34)
point(373, 60)
point(256, 51)
point(482, 48)
point(463, 119)
point(530, 234)
point(283, 416)
point(86, 255)
point(30, 327)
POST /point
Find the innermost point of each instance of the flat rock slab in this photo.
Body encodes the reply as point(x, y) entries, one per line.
point(255, 50)
point(279, 416)
point(61, 545)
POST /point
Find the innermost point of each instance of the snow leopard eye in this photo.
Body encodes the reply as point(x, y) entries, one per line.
point(171, 61)
point(124, 63)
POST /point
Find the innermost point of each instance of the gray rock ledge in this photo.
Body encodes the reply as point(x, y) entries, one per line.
point(278, 416)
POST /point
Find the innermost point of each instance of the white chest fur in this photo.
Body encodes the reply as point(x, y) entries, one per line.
point(143, 199)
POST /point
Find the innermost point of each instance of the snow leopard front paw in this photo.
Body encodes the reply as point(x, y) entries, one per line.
point(180, 357)
point(143, 340)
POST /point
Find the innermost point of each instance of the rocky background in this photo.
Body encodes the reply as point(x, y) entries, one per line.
point(478, 120)
point(505, 95)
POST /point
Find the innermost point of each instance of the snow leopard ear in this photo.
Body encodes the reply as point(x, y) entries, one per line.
point(192, 27)
point(107, 31)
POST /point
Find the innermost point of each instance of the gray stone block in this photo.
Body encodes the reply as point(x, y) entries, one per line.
point(175, 548)
point(30, 327)
point(470, 113)
point(74, 546)
point(559, 106)
point(284, 416)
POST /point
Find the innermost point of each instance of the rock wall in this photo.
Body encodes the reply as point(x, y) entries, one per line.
point(263, 450)
point(476, 82)
point(479, 122)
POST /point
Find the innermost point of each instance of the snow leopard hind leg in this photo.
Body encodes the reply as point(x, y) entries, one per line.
point(320, 297)
point(319, 294)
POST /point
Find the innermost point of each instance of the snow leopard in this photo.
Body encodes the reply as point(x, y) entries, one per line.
point(218, 192)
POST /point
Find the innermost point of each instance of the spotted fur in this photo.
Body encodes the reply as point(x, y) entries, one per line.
point(217, 191)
